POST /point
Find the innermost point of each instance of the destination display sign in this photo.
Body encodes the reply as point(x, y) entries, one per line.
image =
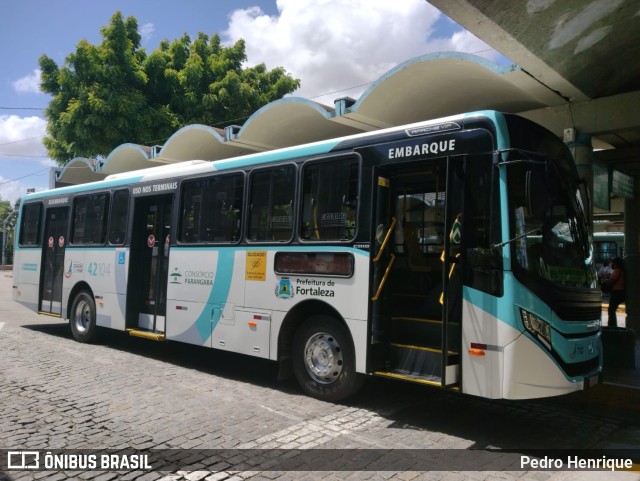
point(155, 188)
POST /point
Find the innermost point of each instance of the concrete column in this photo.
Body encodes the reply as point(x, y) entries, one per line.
point(632, 257)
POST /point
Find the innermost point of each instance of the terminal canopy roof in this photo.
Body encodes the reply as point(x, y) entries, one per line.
point(426, 87)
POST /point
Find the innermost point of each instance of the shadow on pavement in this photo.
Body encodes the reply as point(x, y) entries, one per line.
point(229, 365)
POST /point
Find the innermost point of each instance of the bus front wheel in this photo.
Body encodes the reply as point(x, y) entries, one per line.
point(324, 359)
point(83, 318)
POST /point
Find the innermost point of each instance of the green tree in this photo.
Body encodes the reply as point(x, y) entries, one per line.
point(113, 93)
point(5, 209)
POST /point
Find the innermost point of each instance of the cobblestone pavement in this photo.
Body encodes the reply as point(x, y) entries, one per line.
point(131, 393)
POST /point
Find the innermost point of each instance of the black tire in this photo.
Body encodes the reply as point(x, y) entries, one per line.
point(324, 360)
point(82, 318)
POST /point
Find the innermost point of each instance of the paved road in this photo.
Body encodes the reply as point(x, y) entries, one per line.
point(131, 393)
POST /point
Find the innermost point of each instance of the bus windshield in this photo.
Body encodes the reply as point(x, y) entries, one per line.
point(552, 240)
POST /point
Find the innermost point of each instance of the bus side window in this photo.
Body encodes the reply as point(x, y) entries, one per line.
point(271, 202)
point(119, 217)
point(190, 209)
point(30, 225)
point(329, 200)
point(90, 219)
point(226, 193)
point(211, 209)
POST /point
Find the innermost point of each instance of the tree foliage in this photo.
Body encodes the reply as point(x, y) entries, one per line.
point(113, 93)
point(5, 209)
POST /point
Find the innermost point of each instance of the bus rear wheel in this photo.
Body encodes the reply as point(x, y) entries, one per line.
point(83, 318)
point(324, 359)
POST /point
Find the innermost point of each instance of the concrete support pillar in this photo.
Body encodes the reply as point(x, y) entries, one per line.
point(632, 257)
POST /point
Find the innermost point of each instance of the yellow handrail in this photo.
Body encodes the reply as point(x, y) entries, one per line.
point(386, 240)
point(384, 277)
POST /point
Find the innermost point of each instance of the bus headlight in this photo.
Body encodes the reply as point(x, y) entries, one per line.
point(537, 327)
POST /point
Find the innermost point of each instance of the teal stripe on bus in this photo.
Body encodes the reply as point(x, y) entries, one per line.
point(208, 320)
point(285, 154)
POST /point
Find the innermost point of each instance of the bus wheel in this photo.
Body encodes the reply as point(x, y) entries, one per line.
point(324, 359)
point(83, 318)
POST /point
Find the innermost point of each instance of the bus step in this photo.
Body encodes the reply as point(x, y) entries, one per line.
point(415, 378)
point(416, 319)
point(154, 336)
point(420, 360)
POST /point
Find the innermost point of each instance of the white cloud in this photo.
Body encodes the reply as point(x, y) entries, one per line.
point(22, 136)
point(11, 190)
point(333, 45)
point(29, 83)
point(22, 155)
point(465, 41)
point(146, 31)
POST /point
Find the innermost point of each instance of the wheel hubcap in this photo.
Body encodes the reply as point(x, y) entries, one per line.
point(82, 316)
point(323, 358)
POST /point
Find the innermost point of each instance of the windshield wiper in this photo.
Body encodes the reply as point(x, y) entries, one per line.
point(502, 244)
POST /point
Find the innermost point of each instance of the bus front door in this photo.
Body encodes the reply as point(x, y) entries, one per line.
point(55, 231)
point(415, 288)
point(149, 263)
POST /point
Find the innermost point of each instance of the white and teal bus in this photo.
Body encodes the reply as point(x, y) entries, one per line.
point(453, 253)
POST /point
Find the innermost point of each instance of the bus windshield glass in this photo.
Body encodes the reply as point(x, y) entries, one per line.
point(547, 213)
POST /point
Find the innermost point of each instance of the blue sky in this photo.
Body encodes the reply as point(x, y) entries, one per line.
point(331, 45)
